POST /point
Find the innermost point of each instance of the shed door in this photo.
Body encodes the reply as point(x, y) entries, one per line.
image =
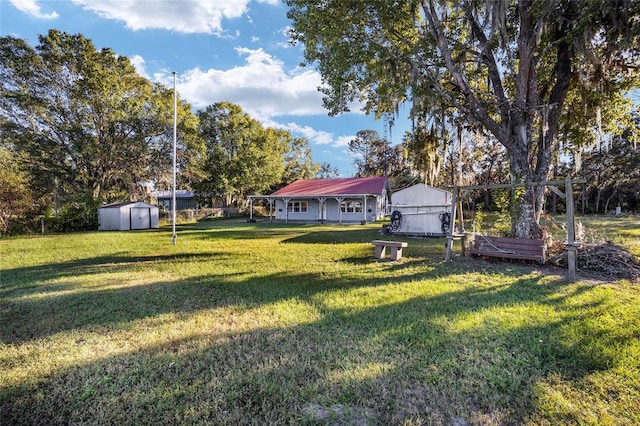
point(140, 218)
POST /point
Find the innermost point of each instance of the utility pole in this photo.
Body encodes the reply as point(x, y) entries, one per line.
point(174, 237)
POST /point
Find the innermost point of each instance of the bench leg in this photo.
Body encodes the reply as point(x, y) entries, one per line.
point(396, 253)
point(379, 251)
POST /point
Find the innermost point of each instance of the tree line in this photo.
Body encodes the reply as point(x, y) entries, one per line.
point(79, 127)
point(518, 91)
point(452, 156)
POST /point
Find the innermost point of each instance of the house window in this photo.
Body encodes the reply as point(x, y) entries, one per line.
point(351, 207)
point(297, 207)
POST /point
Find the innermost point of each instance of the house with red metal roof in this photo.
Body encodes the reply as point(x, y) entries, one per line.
point(342, 200)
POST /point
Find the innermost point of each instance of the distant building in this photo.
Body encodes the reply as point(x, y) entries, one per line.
point(355, 200)
point(185, 200)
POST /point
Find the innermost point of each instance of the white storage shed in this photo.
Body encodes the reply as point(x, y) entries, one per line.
point(420, 210)
point(127, 216)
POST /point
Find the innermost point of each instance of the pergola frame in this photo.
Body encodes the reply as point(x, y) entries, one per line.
point(571, 245)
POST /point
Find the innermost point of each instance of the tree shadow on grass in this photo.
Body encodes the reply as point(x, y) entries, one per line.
point(409, 361)
point(335, 236)
point(36, 311)
point(437, 355)
point(33, 311)
point(21, 280)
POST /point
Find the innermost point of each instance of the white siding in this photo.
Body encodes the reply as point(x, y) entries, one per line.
point(371, 211)
point(123, 217)
point(421, 207)
point(421, 194)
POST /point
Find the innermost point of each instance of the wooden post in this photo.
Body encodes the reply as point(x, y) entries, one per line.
point(570, 245)
point(251, 209)
point(286, 209)
point(271, 201)
point(460, 217)
point(340, 200)
point(364, 210)
point(322, 200)
point(452, 224)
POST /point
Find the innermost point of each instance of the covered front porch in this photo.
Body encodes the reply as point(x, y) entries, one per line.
point(341, 209)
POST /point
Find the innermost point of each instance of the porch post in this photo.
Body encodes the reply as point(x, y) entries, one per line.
point(271, 200)
point(322, 200)
point(286, 209)
point(340, 200)
point(251, 209)
point(364, 209)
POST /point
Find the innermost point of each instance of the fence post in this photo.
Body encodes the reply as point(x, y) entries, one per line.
point(570, 245)
point(452, 224)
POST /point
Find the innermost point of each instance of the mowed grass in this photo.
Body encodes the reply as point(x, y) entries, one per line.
point(298, 324)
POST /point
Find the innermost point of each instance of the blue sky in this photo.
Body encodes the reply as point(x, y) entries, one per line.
point(222, 50)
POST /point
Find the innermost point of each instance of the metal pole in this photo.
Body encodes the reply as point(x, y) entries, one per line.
point(173, 180)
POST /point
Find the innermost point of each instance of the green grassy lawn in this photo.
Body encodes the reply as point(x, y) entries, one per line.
point(273, 324)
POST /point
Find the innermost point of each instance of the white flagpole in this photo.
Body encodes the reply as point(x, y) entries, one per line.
point(173, 181)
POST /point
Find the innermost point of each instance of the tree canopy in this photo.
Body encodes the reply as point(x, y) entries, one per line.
point(504, 66)
point(15, 195)
point(374, 155)
point(79, 127)
point(86, 120)
point(244, 158)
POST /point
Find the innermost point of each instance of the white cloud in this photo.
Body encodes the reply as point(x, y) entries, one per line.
point(285, 33)
point(261, 86)
point(193, 16)
point(318, 137)
point(139, 64)
point(264, 90)
point(343, 141)
point(32, 8)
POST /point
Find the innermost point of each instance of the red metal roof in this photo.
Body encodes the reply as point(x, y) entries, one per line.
point(339, 186)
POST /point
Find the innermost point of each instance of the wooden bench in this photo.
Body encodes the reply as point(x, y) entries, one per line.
point(508, 248)
point(380, 248)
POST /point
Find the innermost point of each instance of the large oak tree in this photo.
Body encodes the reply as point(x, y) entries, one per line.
point(86, 121)
point(506, 66)
point(242, 157)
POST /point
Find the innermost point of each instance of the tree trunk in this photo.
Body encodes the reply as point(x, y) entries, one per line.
point(524, 217)
point(487, 200)
point(95, 191)
point(606, 205)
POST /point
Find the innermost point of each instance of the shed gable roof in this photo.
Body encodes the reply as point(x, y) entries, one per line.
point(127, 203)
point(338, 186)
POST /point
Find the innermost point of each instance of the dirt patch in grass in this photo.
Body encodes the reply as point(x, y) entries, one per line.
point(339, 414)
